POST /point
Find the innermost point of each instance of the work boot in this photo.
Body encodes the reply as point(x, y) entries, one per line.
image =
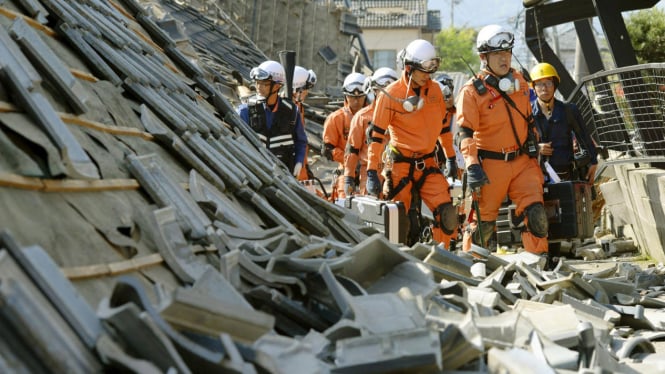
point(553, 255)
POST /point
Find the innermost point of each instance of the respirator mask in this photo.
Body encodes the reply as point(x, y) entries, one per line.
point(507, 83)
point(413, 103)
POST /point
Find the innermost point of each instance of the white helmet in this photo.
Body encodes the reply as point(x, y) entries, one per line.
point(384, 76)
point(271, 70)
point(300, 76)
point(311, 79)
point(381, 78)
point(494, 38)
point(420, 54)
point(446, 83)
point(353, 84)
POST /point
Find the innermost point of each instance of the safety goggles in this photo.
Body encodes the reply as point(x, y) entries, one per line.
point(355, 93)
point(501, 42)
point(259, 74)
point(384, 80)
point(429, 66)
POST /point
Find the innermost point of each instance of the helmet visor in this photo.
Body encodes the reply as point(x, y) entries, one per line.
point(311, 80)
point(384, 80)
point(259, 74)
point(501, 42)
point(429, 66)
point(357, 92)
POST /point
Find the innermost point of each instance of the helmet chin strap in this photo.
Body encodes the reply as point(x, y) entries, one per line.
point(408, 85)
point(549, 104)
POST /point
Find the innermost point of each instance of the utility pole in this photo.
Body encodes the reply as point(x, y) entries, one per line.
point(452, 11)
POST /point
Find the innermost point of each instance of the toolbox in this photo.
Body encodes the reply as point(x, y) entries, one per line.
point(387, 217)
point(569, 210)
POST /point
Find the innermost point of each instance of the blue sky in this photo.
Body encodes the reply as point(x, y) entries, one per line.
point(478, 13)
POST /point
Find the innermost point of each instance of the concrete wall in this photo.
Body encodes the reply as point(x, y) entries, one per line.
point(389, 39)
point(304, 26)
point(637, 198)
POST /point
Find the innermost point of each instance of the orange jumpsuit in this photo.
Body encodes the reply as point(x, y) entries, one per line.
point(335, 132)
point(413, 138)
point(356, 146)
point(521, 178)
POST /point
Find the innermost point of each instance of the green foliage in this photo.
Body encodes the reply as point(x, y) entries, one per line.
point(646, 29)
point(455, 42)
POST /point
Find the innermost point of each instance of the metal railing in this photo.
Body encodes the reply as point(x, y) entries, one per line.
point(624, 109)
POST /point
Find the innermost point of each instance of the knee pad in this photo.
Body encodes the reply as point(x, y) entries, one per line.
point(446, 218)
point(536, 220)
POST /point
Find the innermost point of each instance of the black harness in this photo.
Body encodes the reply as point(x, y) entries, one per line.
point(279, 137)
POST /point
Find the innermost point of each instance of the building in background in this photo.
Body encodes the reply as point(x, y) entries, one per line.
point(389, 25)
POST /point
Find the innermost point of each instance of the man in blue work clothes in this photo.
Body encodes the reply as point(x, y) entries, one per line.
point(276, 120)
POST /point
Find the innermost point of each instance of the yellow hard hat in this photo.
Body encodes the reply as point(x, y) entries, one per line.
point(544, 70)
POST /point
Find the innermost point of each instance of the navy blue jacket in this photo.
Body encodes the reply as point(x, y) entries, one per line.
point(287, 139)
point(558, 131)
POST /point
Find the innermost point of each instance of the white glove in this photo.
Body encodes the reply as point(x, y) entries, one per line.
point(296, 169)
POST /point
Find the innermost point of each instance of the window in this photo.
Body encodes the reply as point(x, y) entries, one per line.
point(384, 58)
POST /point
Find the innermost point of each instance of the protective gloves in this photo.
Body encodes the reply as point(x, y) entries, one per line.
point(296, 169)
point(349, 185)
point(373, 184)
point(476, 177)
point(451, 168)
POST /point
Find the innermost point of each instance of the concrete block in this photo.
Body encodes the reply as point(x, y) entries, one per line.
point(416, 350)
point(614, 287)
point(527, 258)
point(484, 297)
point(656, 317)
point(412, 275)
point(557, 323)
point(516, 360)
point(385, 313)
point(449, 261)
point(281, 354)
point(458, 349)
point(503, 330)
point(373, 258)
point(555, 355)
point(614, 201)
point(592, 308)
point(627, 348)
point(190, 311)
point(343, 329)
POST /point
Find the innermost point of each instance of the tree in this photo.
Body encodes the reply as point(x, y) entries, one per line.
point(453, 43)
point(646, 29)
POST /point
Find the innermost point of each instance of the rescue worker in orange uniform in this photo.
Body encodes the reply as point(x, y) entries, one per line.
point(499, 143)
point(448, 164)
point(337, 125)
point(413, 109)
point(356, 145)
point(303, 81)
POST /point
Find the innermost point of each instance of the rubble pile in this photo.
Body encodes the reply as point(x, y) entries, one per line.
point(145, 229)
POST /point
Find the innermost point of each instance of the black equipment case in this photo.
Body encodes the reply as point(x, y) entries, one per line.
point(569, 210)
point(388, 217)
